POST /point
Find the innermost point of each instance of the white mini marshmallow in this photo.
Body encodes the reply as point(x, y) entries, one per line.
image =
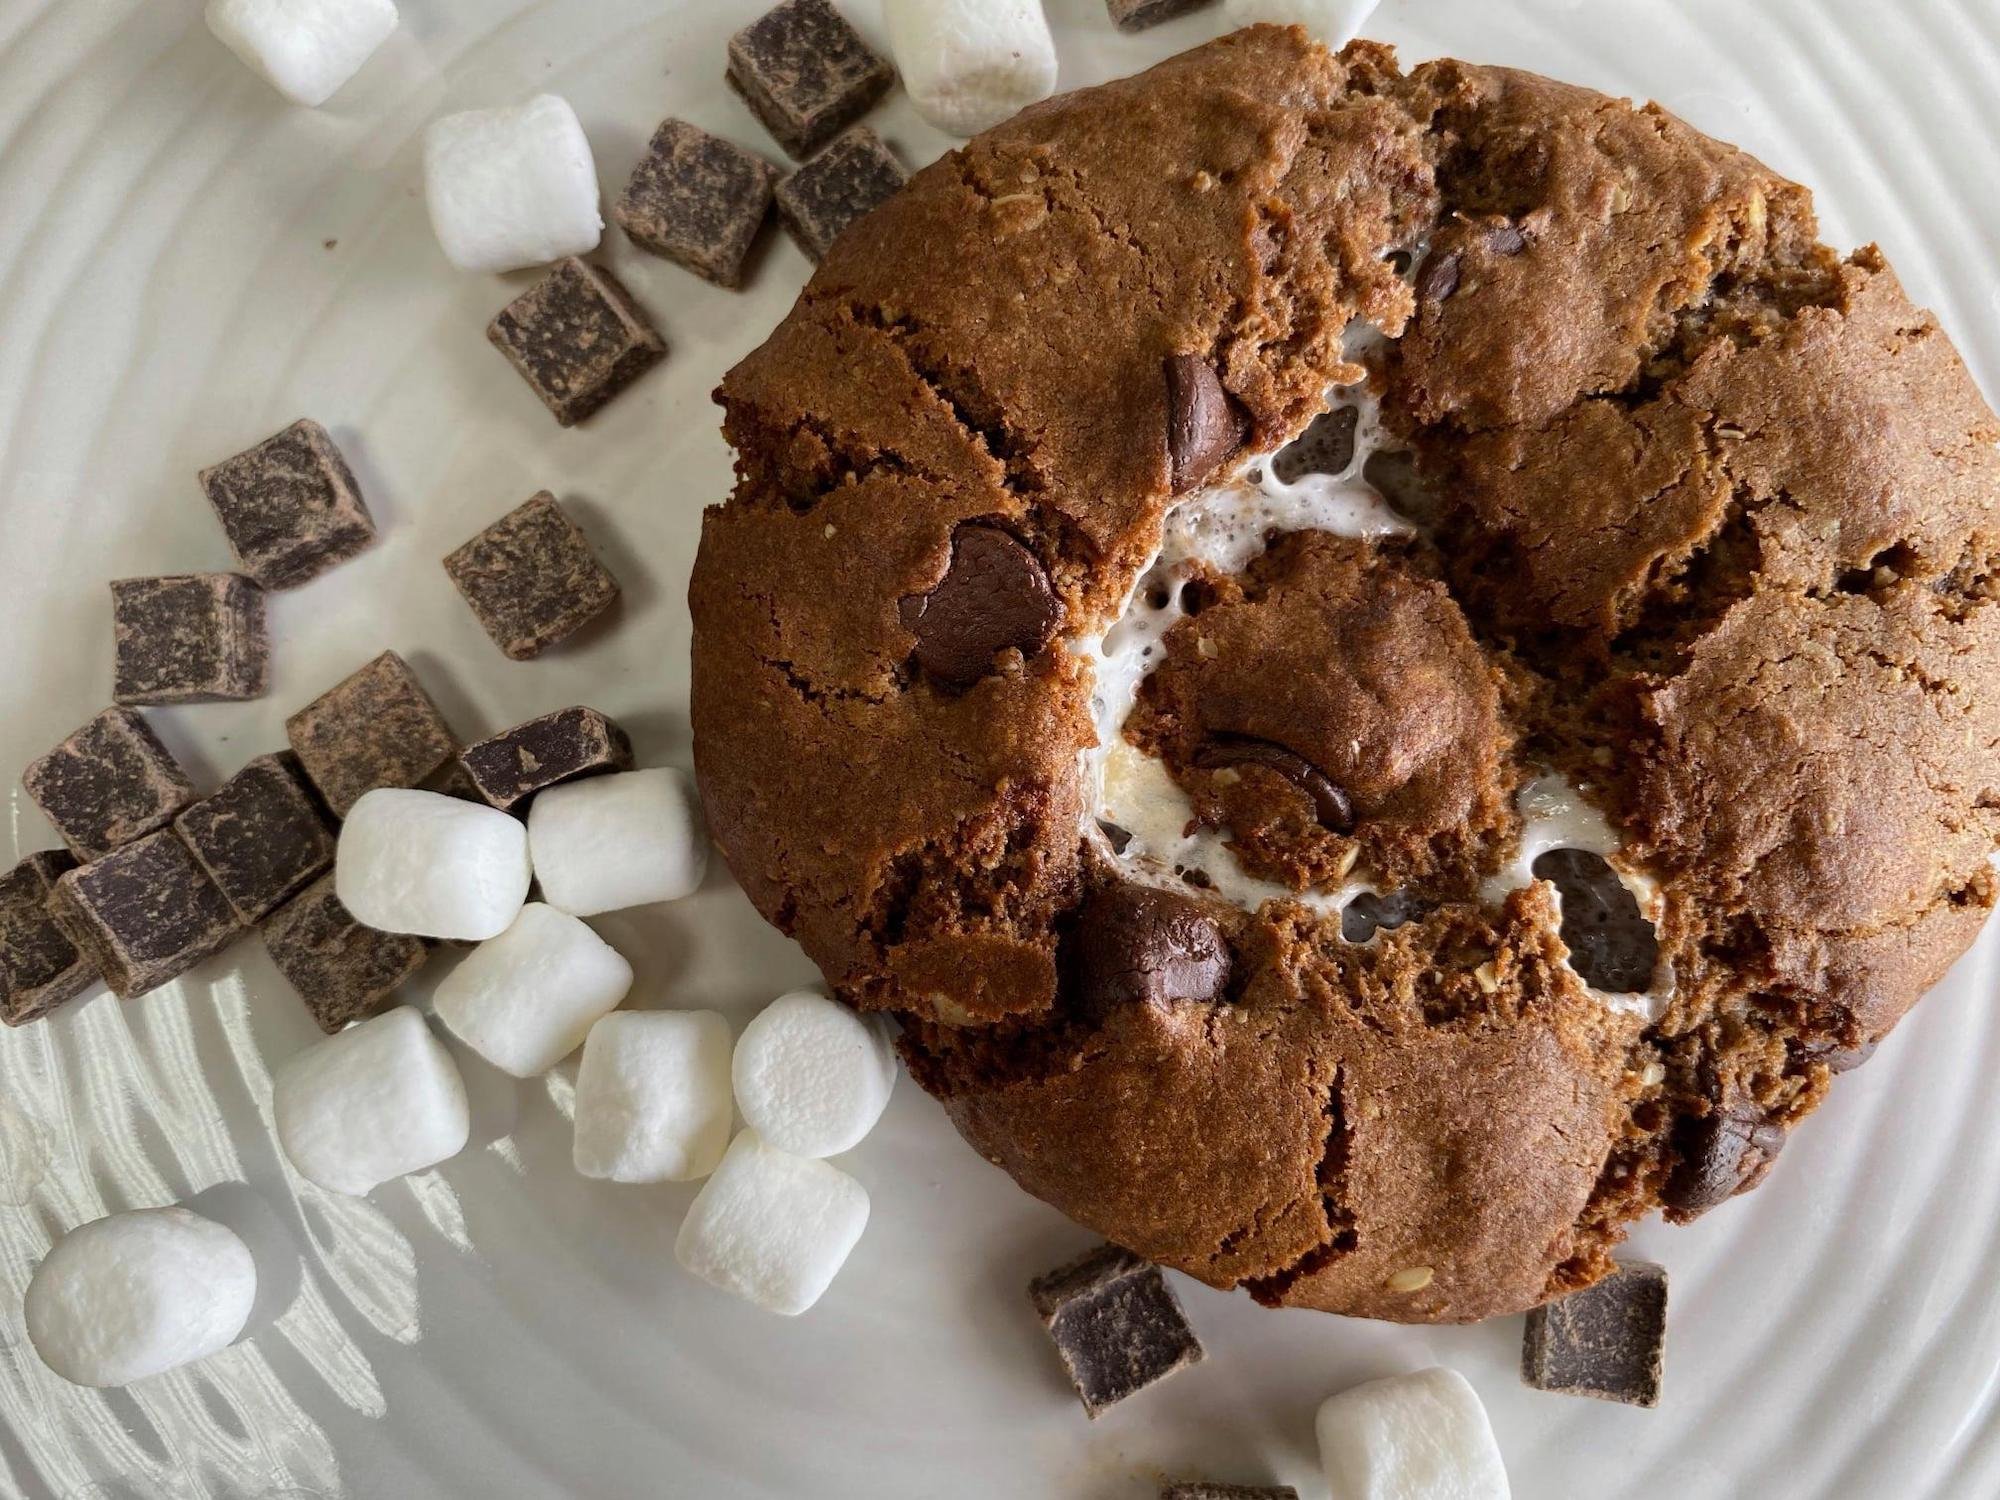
point(811, 1076)
point(511, 187)
point(1411, 1437)
point(139, 1293)
point(772, 1228)
point(652, 1096)
point(1334, 22)
point(378, 1101)
point(526, 1000)
point(616, 841)
point(432, 865)
point(969, 64)
point(305, 49)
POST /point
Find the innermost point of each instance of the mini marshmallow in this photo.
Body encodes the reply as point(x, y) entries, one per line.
point(772, 1228)
point(433, 865)
point(1334, 22)
point(811, 1076)
point(969, 64)
point(375, 1102)
point(528, 998)
point(139, 1293)
point(305, 49)
point(511, 187)
point(652, 1096)
point(617, 841)
point(1410, 1437)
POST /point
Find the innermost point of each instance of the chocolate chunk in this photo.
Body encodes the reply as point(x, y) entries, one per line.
point(1369, 913)
point(1505, 238)
point(1331, 804)
point(1438, 277)
point(1137, 15)
point(144, 914)
point(1607, 1341)
point(994, 597)
point(511, 767)
point(1137, 945)
point(698, 200)
point(343, 971)
point(192, 638)
point(1393, 473)
point(452, 780)
point(262, 837)
point(107, 784)
point(1612, 947)
point(1205, 427)
point(853, 175)
point(577, 338)
point(1200, 1490)
point(532, 578)
point(378, 728)
point(1325, 447)
point(40, 967)
point(1720, 1154)
point(806, 73)
point(1116, 1323)
point(289, 507)
point(1839, 1059)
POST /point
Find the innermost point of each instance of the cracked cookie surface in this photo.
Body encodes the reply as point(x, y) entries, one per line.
point(1707, 531)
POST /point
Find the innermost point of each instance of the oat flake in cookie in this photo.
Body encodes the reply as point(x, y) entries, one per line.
point(1562, 767)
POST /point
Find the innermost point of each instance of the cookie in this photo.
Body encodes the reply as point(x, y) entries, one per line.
point(1372, 870)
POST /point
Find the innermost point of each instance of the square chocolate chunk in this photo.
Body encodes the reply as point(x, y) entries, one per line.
point(1203, 1491)
point(509, 768)
point(39, 966)
point(1607, 1341)
point(1137, 15)
point(144, 914)
point(806, 73)
point(191, 638)
point(1116, 1323)
point(577, 338)
point(835, 188)
point(108, 784)
point(698, 200)
point(378, 728)
point(289, 506)
point(343, 971)
point(262, 837)
point(532, 578)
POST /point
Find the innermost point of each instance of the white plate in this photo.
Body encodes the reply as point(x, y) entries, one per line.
point(186, 264)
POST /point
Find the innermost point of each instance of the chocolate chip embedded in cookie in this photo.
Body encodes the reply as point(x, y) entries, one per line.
point(994, 596)
point(1204, 426)
point(1134, 945)
point(1333, 806)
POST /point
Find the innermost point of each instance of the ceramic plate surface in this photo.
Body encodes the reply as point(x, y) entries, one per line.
point(187, 264)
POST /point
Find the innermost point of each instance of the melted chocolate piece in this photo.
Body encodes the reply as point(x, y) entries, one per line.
point(1333, 806)
point(1368, 914)
point(1204, 425)
point(994, 597)
point(1721, 1153)
point(1137, 945)
point(1611, 946)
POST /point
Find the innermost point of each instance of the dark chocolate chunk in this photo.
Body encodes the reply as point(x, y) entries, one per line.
point(532, 578)
point(994, 597)
point(40, 967)
point(698, 200)
point(1612, 947)
point(192, 638)
point(1333, 807)
point(1205, 427)
point(1137, 15)
point(1370, 913)
point(452, 780)
point(107, 784)
point(806, 73)
point(262, 837)
point(1839, 1059)
point(1607, 1341)
point(343, 971)
point(378, 728)
point(144, 914)
point(289, 506)
point(1200, 1490)
point(853, 175)
point(1137, 945)
point(1437, 279)
point(1325, 447)
point(1505, 238)
point(577, 338)
point(1393, 473)
point(1720, 1154)
point(511, 767)
point(1116, 1323)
